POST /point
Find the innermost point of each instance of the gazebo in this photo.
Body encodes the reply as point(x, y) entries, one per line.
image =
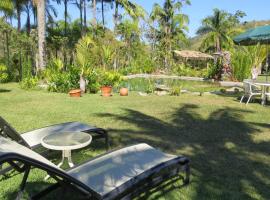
point(193, 57)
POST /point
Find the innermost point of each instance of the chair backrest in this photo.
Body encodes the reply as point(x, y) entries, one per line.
point(6, 130)
point(249, 87)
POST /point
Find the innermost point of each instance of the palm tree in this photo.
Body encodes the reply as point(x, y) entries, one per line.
point(94, 9)
point(132, 9)
point(41, 5)
point(19, 6)
point(103, 2)
point(217, 27)
point(171, 26)
point(6, 5)
point(7, 8)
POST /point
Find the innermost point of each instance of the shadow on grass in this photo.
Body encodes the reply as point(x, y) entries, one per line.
point(4, 90)
point(226, 162)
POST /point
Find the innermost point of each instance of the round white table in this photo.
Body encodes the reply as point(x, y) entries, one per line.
point(263, 85)
point(65, 142)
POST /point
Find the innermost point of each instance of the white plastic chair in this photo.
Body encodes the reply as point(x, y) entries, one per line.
point(250, 90)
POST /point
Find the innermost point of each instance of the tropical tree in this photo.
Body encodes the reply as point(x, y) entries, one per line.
point(6, 5)
point(41, 5)
point(217, 29)
point(170, 29)
point(94, 9)
point(132, 9)
point(19, 6)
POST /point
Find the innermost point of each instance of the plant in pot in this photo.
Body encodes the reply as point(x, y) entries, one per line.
point(107, 81)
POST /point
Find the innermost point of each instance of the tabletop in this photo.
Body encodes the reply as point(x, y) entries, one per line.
point(261, 83)
point(66, 140)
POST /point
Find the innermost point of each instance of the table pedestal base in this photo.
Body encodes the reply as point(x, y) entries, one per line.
point(65, 154)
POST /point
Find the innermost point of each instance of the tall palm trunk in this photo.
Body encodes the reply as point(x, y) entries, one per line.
point(116, 14)
point(94, 5)
point(218, 46)
point(102, 10)
point(41, 34)
point(28, 20)
point(65, 14)
point(81, 14)
point(18, 10)
point(84, 10)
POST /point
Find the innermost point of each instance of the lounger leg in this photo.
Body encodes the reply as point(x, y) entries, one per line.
point(187, 171)
point(248, 99)
point(23, 183)
point(242, 98)
point(107, 140)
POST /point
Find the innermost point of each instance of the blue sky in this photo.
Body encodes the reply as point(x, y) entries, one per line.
point(255, 10)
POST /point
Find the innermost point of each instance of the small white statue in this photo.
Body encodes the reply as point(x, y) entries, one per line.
point(254, 72)
point(82, 84)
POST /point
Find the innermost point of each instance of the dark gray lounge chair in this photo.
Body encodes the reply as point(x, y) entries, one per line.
point(122, 173)
point(32, 139)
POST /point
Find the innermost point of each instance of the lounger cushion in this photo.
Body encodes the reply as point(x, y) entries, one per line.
point(113, 173)
point(33, 138)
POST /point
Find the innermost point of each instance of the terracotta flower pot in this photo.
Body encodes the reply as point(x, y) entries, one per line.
point(75, 93)
point(106, 91)
point(123, 92)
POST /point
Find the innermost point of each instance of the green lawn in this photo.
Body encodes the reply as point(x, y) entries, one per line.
point(228, 143)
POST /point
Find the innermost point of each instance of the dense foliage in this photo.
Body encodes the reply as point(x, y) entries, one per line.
point(80, 51)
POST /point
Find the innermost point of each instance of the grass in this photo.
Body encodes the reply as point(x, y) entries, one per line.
point(228, 143)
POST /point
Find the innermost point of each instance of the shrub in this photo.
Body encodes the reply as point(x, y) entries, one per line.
point(214, 71)
point(3, 73)
point(29, 83)
point(150, 87)
point(109, 78)
point(93, 85)
point(175, 90)
point(188, 70)
point(62, 81)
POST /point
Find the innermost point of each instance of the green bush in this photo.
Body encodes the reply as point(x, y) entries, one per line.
point(93, 85)
point(63, 81)
point(109, 78)
point(214, 70)
point(188, 70)
point(3, 73)
point(175, 91)
point(29, 83)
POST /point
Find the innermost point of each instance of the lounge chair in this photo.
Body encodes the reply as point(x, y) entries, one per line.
point(32, 139)
point(250, 90)
point(122, 173)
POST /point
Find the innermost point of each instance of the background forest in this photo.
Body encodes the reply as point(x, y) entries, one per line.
point(59, 53)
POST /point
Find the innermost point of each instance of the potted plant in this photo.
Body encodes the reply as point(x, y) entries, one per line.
point(107, 81)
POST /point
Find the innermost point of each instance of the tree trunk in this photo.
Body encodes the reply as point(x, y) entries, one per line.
point(102, 10)
point(84, 10)
point(94, 12)
point(41, 34)
point(218, 48)
point(116, 14)
point(7, 47)
point(65, 14)
point(81, 14)
point(19, 19)
point(28, 22)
